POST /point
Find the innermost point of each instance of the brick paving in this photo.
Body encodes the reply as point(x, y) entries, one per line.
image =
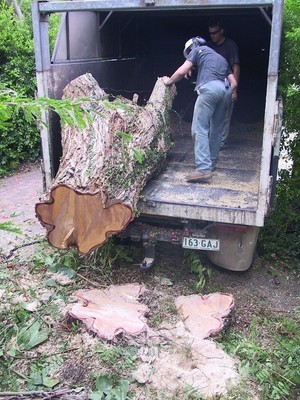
point(18, 196)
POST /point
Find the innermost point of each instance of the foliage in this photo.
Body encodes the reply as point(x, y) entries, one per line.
point(54, 22)
point(71, 112)
point(26, 321)
point(117, 359)
point(108, 390)
point(203, 273)
point(16, 50)
point(281, 233)
point(70, 262)
point(269, 356)
point(9, 226)
point(290, 88)
point(20, 138)
point(29, 111)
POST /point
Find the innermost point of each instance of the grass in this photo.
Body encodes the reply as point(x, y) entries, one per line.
point(34, 340)
point(117, 358)
point(41, 351)
point(269, 356)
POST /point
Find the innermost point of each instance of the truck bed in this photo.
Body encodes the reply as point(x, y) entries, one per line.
point(232, 196)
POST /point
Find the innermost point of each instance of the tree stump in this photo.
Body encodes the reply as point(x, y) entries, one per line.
point(104, 166)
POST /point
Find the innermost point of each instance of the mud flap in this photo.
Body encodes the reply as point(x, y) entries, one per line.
point(237, 248)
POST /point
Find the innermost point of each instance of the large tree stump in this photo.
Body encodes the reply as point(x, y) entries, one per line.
point(105, 166)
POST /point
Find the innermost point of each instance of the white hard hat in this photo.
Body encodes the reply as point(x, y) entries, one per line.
point(188, 47)
point(197, 41)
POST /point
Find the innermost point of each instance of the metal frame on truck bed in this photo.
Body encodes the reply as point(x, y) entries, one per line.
point(126, 45)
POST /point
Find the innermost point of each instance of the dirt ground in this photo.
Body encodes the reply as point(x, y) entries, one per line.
point(268, 287)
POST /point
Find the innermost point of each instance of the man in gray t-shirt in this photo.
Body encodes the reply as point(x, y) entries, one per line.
point(229, 50)
point(210, 66)
point(214, 86)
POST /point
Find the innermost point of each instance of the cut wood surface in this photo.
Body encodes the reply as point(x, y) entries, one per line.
point(112, 311)
point(203, 315)
point(105, 166)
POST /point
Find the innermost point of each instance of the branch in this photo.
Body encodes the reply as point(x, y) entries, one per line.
point(17, 9)
point(69, 394)
point(72, 112)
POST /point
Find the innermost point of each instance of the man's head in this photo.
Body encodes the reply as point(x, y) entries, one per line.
point(216, 32)
point(195, 41)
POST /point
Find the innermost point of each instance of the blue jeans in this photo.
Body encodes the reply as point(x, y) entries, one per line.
point(226, 126)
point(208, 120)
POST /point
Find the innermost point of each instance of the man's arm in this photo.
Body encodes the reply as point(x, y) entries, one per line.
point(236, 73)
point(178, 74)
point(233, 83)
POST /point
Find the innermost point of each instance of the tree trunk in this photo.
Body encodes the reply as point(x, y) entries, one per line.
point(17, 9)
point(105, 166)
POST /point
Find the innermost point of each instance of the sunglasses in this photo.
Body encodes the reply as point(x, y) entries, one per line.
point(215, 32)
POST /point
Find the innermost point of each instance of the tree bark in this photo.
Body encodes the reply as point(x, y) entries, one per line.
point(105, 166)
point(17, 9)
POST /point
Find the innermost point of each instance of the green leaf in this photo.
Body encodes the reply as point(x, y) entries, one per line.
point(96, 396)
point(49, 382)
point(36, 378)
point(63, 269)
point(123, 388)
point(104, 383)
point(12, 351)
point(9, 227)
point(31, 336)
point(50, 283)
point(126, 137)
point(138, 154)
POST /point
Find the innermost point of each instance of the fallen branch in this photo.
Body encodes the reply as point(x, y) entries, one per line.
point(63, 394)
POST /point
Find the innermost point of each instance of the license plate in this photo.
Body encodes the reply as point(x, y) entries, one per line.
point(201, 244)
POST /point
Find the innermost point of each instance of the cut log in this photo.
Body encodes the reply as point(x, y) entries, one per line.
point(105, 166)
point(203, 315)
point(112, 311)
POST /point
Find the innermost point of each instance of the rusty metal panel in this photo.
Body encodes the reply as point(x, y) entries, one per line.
point(137, 5)
point(78, 37)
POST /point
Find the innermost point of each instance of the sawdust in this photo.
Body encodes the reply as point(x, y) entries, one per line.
point(196, 364)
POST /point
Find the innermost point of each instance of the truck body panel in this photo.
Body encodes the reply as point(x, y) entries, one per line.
point(126, 45)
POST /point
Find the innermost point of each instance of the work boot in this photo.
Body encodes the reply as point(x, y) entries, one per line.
point(198, 176)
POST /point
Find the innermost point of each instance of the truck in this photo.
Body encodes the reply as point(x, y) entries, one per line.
point(126, 45)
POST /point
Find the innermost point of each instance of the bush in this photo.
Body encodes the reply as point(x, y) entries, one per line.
point(281, 233)
point(20, 139)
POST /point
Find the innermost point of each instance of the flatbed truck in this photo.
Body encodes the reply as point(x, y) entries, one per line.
point(126, 45)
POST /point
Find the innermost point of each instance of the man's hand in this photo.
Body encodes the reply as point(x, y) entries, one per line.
point(189, 74)
point(178, 74)
point(165, 80)
point(234, 96)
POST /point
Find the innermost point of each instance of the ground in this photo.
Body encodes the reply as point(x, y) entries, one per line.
point(43, 349)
